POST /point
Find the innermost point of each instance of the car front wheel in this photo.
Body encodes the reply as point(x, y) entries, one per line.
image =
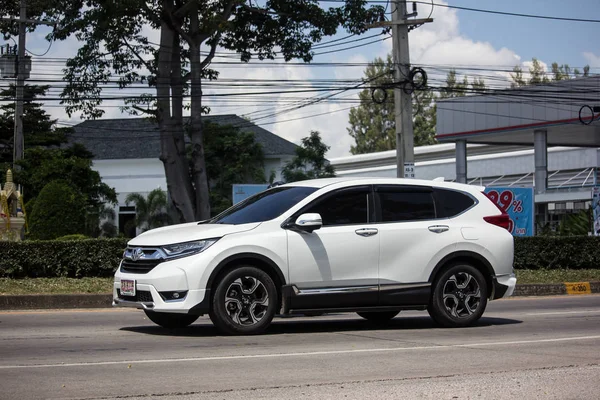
point(459, 296)
point(244, 302)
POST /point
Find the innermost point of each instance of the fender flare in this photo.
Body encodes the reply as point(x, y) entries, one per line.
point(272, 266)
point(462, 254)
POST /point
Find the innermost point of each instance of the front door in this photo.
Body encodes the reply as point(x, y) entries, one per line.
point(336, 266)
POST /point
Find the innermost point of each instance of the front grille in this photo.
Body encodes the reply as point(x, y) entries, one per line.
point(140, 296)
point(140, 266)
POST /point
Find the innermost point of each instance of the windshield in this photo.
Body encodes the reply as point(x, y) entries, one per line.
point(263, 206)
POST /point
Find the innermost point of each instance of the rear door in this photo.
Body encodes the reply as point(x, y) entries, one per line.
point(414, 234)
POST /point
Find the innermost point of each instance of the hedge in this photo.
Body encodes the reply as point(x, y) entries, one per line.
point(100, 257)
point(565, 252)
point(58, 258)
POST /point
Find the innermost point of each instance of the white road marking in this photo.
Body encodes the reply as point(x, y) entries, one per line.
point(314, 353)
point(566, 312)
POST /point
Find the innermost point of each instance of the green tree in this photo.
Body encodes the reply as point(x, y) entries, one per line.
point(232, 156)
point(59, 210)
point(310, 161)
point(538, 75)
point(115, 48)
point(100, 221)
point(73, 165)
point(453, 87)
point(373, 125)
point(151, 211)
point(39, 129)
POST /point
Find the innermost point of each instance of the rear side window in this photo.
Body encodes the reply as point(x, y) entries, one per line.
point(450, 203)
point(344, 208)
point(397, 206)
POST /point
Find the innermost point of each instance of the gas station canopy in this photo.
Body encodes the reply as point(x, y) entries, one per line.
point(564, 110)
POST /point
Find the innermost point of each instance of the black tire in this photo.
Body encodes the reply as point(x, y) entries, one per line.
point(378, 316)
point(171, 320)
point(459, 296)
point(245, 311)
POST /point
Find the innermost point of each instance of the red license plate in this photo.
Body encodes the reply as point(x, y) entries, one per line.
point(127, 287)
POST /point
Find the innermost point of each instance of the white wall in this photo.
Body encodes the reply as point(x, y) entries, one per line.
point(144, 175)
point(132, 176)
point(275, 163)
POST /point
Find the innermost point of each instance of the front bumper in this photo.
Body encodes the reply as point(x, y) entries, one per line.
point(504, 286)
point(154, 289)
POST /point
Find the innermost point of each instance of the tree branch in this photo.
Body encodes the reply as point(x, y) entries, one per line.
point(145, 111)
point(149, 66)
point(211, 54)
point(185, 9)
point(227, 11)
point(172, 21)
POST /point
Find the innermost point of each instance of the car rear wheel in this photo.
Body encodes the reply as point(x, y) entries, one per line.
point(244, 302)
point(378, 316)
point(459, 296)
point(171, 320)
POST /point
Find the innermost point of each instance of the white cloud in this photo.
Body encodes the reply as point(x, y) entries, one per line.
point(437, 43)
point(592, 59)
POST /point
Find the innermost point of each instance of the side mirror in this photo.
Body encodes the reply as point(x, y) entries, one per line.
point(309, 222)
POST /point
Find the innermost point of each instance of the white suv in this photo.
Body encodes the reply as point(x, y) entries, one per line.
point(372, 246)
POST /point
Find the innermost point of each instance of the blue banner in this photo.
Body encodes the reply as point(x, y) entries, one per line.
point(242, 192)
point(519, 204)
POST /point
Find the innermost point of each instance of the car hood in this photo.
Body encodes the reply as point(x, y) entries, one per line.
point(187, 233)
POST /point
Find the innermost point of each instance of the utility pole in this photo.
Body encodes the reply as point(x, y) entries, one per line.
point(22, 70)
point(405, 156)
point(401, 25)
point(19, 140)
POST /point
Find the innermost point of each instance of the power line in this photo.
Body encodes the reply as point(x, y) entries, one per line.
point(481, 10)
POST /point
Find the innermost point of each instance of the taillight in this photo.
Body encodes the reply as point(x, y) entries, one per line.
point(502, 220)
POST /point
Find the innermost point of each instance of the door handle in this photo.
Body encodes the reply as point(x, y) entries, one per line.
point(366, 232)
point(439, 228)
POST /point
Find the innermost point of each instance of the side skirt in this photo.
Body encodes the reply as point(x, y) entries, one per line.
point(385, 296)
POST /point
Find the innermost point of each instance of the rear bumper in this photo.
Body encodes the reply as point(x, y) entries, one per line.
point(504, 286)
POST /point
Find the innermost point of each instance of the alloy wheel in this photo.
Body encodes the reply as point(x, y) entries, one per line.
point(246, 301)
point(461, 295)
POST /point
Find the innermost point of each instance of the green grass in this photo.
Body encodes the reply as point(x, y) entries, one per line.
point(104, 285)
point(55, 285)
point(557, 275)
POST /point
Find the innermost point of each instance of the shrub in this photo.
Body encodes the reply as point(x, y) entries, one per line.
point(59, 210)
point(77, 236)
point(57, 258)
point(569, 252)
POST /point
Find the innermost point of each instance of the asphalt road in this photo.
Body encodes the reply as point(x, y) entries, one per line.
point(523, 348)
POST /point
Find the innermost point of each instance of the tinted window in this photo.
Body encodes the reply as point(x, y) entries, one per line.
point(406, 206)
point(344, 208)
point(263, 206)
point(451, 203)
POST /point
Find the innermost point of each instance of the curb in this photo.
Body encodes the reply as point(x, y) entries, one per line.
point(553, 289)
point(54, 301)
point(71, 301)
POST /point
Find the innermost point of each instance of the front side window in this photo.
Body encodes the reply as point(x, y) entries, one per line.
point(263, 206)
point(344, 208)
point(398, 206)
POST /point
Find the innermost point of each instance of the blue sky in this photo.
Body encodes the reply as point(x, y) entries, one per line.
point(456, 37)
point(548, 40)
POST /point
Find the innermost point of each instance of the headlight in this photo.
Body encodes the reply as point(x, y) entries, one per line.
point(187, 248)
